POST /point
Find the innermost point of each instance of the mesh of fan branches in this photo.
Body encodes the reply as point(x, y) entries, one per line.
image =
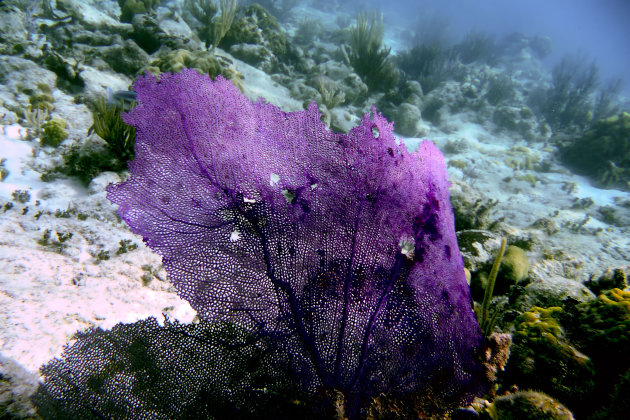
point(334, 254)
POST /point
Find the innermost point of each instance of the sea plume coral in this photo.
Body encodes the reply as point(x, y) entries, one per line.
point(338, 249)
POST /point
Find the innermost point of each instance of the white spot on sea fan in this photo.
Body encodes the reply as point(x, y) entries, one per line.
point(407, 247)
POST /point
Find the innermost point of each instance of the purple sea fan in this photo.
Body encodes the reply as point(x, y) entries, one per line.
point(339, 249)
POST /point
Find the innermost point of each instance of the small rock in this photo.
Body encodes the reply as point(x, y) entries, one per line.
point(250, 53)
point(553, 291)
point(407, 120)
point(530, 405)
point(127, 58)
point(478, 247)
point(101, 181)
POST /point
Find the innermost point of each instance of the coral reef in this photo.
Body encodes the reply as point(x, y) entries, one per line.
point(429, 64)
point(35, 119)
point(575, 100)
point(476, 47)
point(177, 60)
point(126, 58)
point(129, 8)
point(330, 93)
point(607, 323)
point(88, 159)
point(255, 27)
point(526, 405)
point(513, 272)
point(42, 101)
point(17, 385)
point(367, 55)
point(202, 16)
point(54, 132)
point(222, 24)
point(544, 359)
point(486, 322)
point(473, 211)
point(109, 125)
point(500, 89)
point(610, 279)
point(603, 152)
point(202, 61)
point(4, 172)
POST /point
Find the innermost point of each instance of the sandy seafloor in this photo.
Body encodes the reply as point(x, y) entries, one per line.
point(48, 292)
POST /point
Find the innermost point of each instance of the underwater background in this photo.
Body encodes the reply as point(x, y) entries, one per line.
point(527, 102)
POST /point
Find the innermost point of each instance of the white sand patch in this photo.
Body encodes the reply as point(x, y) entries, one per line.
point(19, 161)
point(583, 234)
point(258, 84)
point(50, 289)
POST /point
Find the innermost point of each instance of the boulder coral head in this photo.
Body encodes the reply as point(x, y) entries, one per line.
point(338, 250)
